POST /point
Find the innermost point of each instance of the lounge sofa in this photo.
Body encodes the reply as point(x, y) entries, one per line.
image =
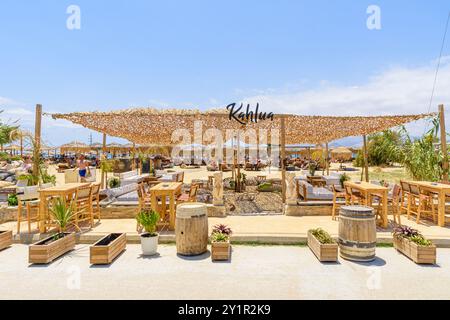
point(333, 178)
point(130, 177)
point(307, 192)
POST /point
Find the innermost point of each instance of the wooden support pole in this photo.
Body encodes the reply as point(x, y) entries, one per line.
point(327, 164)
point(103, 158)
point(37, 140)
point(21, 145)
point(366, 163)
point(283, 156)
point(443, 142)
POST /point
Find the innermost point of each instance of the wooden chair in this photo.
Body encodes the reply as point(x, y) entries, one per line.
point(83, 206)
point(421, 202)
point(189, 197)
point(143, 197)
point(352, 196)
point(395, 201)
point(180, 177)
point(96, 201)
point(30, 194)
point(336, 194)
point(404, 197)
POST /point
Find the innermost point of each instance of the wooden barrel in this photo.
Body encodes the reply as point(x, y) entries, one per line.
point(191, 228)
point(357, 233)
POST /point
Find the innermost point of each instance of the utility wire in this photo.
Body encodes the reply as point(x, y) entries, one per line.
point(438, 66)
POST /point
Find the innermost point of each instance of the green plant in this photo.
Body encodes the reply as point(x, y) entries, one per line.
point(12, 200)
point(46, 177)
point(222, 228)
point(411, 234)
point(31, 179)
point(265, 187)
point(312, 167)
point(147, 219)
point(113, 182)
point(322, 236)
point(420, 240)
point(62, 213)
point(219, 237)
point(344, 177)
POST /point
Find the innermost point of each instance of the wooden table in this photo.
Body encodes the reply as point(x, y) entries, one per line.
point(369, 189)
point(441, 190)
point(163, 190)
point(64, 191)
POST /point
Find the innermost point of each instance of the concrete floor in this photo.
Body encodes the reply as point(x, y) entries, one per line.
point(261, 272)
point(272, 227)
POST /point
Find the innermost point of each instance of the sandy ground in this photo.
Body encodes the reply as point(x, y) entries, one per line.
point(376, 173)
point(261, 272)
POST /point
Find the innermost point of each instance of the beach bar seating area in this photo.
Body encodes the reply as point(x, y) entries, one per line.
point(142, 196)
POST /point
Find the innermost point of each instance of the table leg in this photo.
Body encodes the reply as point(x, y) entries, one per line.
point(172, 213)
point(42, 204)
point(19, 215)
point(441, 209)
point(385, 209)
point(154, 202)
point(163, 207)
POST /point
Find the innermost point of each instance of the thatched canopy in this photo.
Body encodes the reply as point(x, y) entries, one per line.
point(341, 150)
point(74, 146)
point(149, 125)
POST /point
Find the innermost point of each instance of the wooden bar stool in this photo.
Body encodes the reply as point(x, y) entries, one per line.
point(336, 194)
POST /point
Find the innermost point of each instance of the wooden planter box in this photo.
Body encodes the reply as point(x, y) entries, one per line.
point(323, 252)
point(418, 254)
point(5, 239)
point(108, 248)
point(45, 251)
point(220, 250)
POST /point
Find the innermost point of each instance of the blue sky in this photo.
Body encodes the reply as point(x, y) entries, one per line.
point(307, 57)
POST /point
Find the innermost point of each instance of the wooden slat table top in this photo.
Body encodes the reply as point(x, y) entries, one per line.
point(167, 186)
point(366, 186)
point(64, 188)
point(431, 185)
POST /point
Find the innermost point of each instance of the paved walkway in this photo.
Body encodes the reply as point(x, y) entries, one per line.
point(261, 272)
point(268, 228)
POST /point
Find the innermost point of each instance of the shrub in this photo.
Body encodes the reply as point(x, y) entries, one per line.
point(113, 182)
point(219, 237)
point(344, 177)
point(147, 220)
point(321, 235)
point(411, 234)
point(12, 200)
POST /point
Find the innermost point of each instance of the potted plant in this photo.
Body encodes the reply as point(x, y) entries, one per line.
point(147, 220)
point(12, 200)
point(220, 242)
point(50, 248)
point(312, 168)
point(344, 177)
point(413, 244)
point(105, 250)
point(113, 182)
point(5, 239)
point(322, 245)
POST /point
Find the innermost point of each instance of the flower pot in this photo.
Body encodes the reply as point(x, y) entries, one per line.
point(323, 251)
point(149, 244)
point(107, 248)
point(418, 254)
point(5, 239)
point(220, 250)
point(48, 249)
